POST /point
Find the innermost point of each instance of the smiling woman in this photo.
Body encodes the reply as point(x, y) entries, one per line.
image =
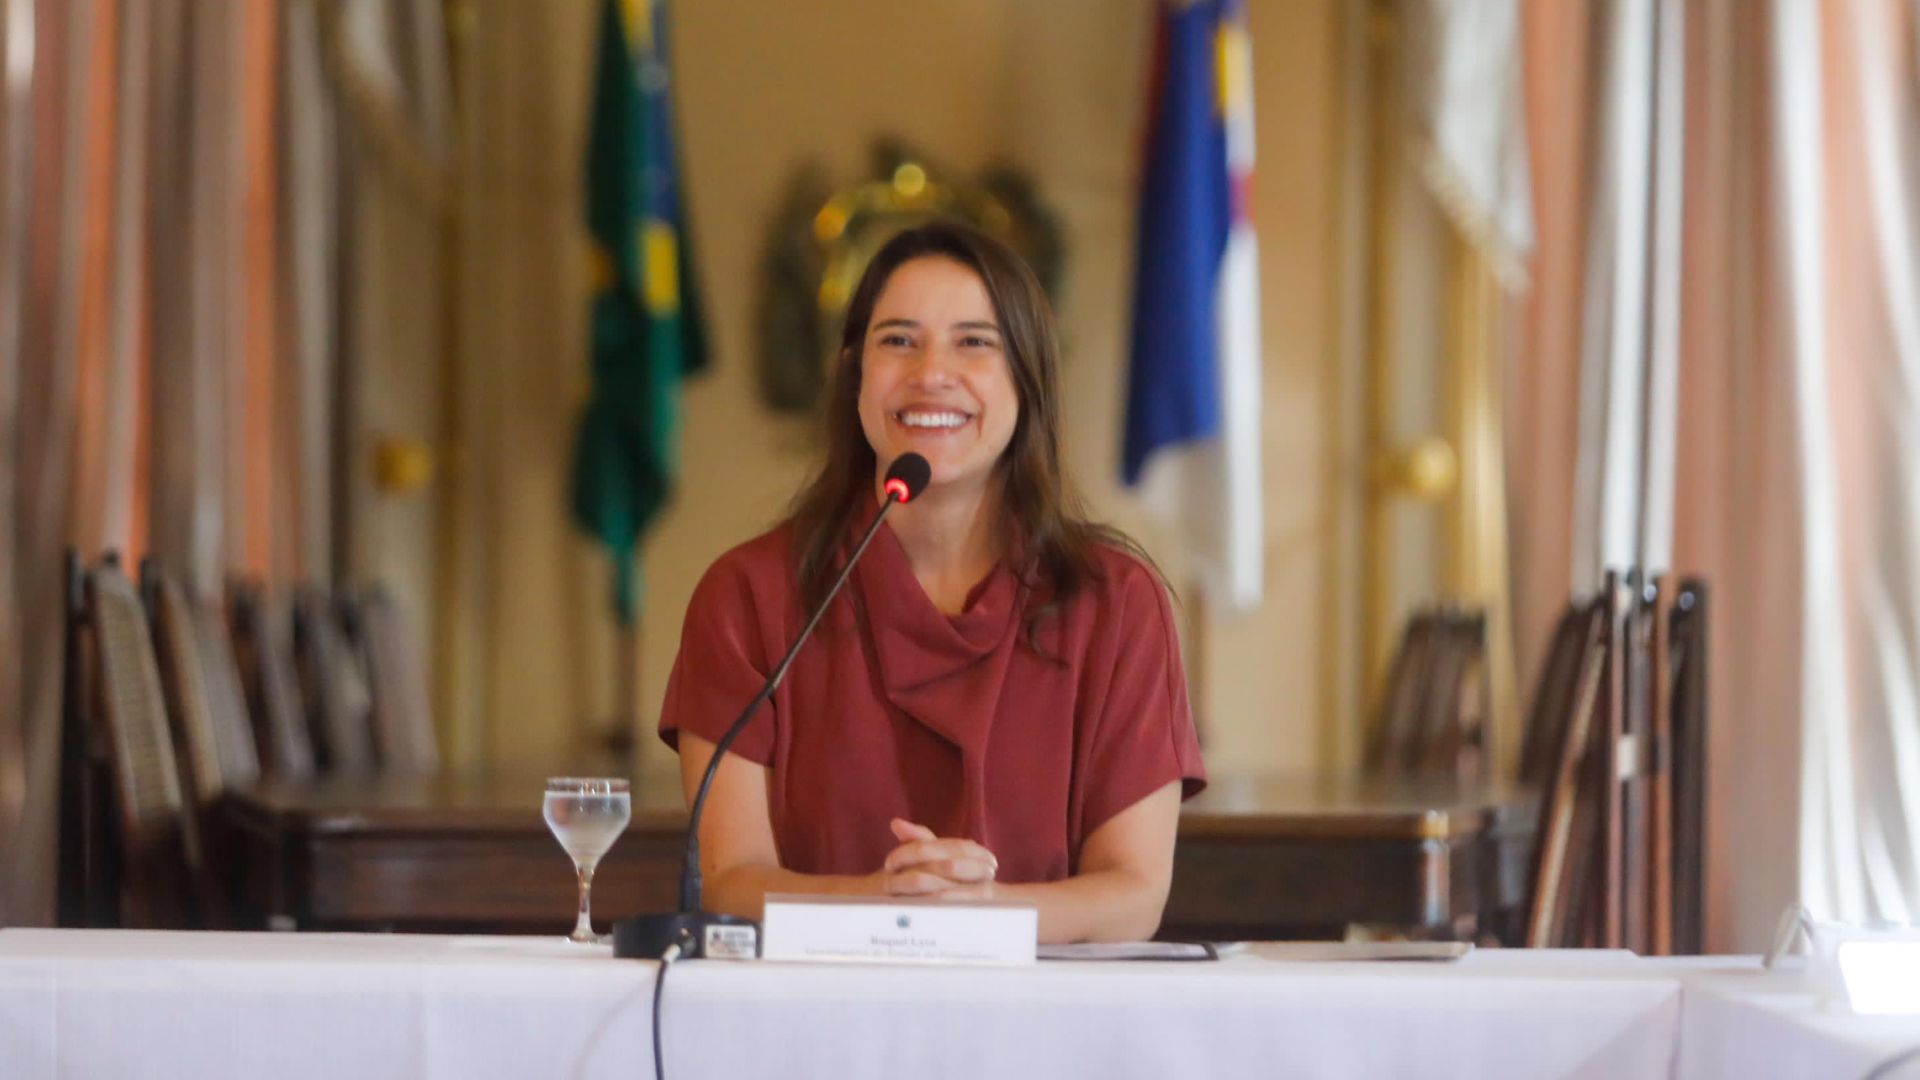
point(996, 706)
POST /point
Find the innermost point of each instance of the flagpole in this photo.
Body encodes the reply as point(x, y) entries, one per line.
point(624, 740)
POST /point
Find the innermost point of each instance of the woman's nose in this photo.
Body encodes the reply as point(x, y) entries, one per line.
point(934, 367)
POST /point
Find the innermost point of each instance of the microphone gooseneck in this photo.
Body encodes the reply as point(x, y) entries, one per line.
point(650, 935)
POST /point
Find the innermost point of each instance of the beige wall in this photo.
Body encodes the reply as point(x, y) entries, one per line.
point(763, 87)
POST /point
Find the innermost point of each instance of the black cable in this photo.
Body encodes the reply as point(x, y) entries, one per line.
point(659, 988)
point(1885, 1069)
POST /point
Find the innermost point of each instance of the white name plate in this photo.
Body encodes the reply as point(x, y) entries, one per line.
point(898, 931)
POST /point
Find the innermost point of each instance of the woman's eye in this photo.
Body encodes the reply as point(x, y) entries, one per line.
point(977, 342)
point(895, 341)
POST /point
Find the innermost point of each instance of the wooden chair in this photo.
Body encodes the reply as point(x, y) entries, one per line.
point(157, 846)
point(1658, 602)
point(1619, 856)
point(204, 695)
point(1566, 843)
point(262, 640)
point(210, 727)
point(1452, 732)
point(1686, 695)
point(334, 687)
point(1553, 695)
point(1400, 705)
point(402, 719)
point(227, 698)
point(1432, 717)
point(1549, 711)
point(88, 888)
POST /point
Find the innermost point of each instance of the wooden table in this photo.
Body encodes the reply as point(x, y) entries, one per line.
point(1256, 859)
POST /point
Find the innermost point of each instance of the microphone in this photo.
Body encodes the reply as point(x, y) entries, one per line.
point(648, 937)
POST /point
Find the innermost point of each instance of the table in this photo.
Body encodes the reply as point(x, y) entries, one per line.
point(1256, 858)
point(212, 1005)
point(1741, 1020)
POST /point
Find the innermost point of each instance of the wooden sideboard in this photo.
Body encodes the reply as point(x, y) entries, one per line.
point(1256, 858)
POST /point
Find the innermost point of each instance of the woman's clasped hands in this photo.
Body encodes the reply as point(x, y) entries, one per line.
point(928, 865)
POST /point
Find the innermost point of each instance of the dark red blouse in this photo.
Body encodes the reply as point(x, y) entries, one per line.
point(894, 709)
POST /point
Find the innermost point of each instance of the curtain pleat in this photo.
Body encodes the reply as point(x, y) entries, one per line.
point(85, 285)
point(309, 267)
point(260, 505)
point(44, 444)
point(124, 515)
point(16, 141)
point(185, 401)
point(1542, 395)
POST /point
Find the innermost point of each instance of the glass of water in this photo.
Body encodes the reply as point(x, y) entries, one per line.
point(587, 815)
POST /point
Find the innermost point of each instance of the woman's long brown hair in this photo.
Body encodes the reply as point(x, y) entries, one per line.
point(1053, 541)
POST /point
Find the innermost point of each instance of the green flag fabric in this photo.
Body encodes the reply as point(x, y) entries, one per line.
point(646, 326)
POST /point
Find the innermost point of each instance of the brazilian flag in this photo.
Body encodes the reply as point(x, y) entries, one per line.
point(646, 326)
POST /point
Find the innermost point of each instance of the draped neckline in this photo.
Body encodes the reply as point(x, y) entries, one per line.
point(946, 671)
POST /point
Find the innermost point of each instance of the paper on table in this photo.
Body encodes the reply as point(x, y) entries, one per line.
point(1135, 950)
point(1344, 951)
point(1283, 951)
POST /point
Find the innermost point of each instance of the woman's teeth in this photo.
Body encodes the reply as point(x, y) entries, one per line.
point(932, 419)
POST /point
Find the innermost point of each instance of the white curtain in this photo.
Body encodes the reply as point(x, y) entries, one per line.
point(1850, 229)
point(1750, 412)
point(1629, 360)
point(1811, 528)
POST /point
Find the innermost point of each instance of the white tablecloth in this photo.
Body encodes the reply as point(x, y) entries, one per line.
point(102, 1003)
point(1740, 1020)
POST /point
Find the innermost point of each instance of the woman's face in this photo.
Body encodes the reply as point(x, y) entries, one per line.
point(934, 374)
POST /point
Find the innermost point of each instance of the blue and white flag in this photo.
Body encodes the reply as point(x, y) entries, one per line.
point(1193, 394)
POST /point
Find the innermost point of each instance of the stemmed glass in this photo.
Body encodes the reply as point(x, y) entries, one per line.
point(587, 815)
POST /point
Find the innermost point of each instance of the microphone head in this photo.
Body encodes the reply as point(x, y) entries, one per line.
point(907, 477)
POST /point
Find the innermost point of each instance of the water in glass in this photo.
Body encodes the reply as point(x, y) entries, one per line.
point(587, 815)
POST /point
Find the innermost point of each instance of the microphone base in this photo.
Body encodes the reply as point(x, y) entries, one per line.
point(721, 937)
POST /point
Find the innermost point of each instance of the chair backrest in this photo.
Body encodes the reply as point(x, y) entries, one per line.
point(1452, 732)
point(402, 719)
point(1687, 697)
point(211, 732)
point(159, 853)
point(1433, 711)
point(1398, 720)
point(262, 627)
point(204, 692)
point(334, 685)
point(226, 697)
point(1566, 843)
point(1658, 613)
point(88, 889)
point(1553, 695)
point(1637, 767)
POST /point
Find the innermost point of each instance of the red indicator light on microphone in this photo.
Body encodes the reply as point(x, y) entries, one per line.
point(906, 477)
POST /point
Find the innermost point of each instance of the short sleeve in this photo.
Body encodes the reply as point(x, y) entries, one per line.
point(722, 663)
point(1145, 737)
